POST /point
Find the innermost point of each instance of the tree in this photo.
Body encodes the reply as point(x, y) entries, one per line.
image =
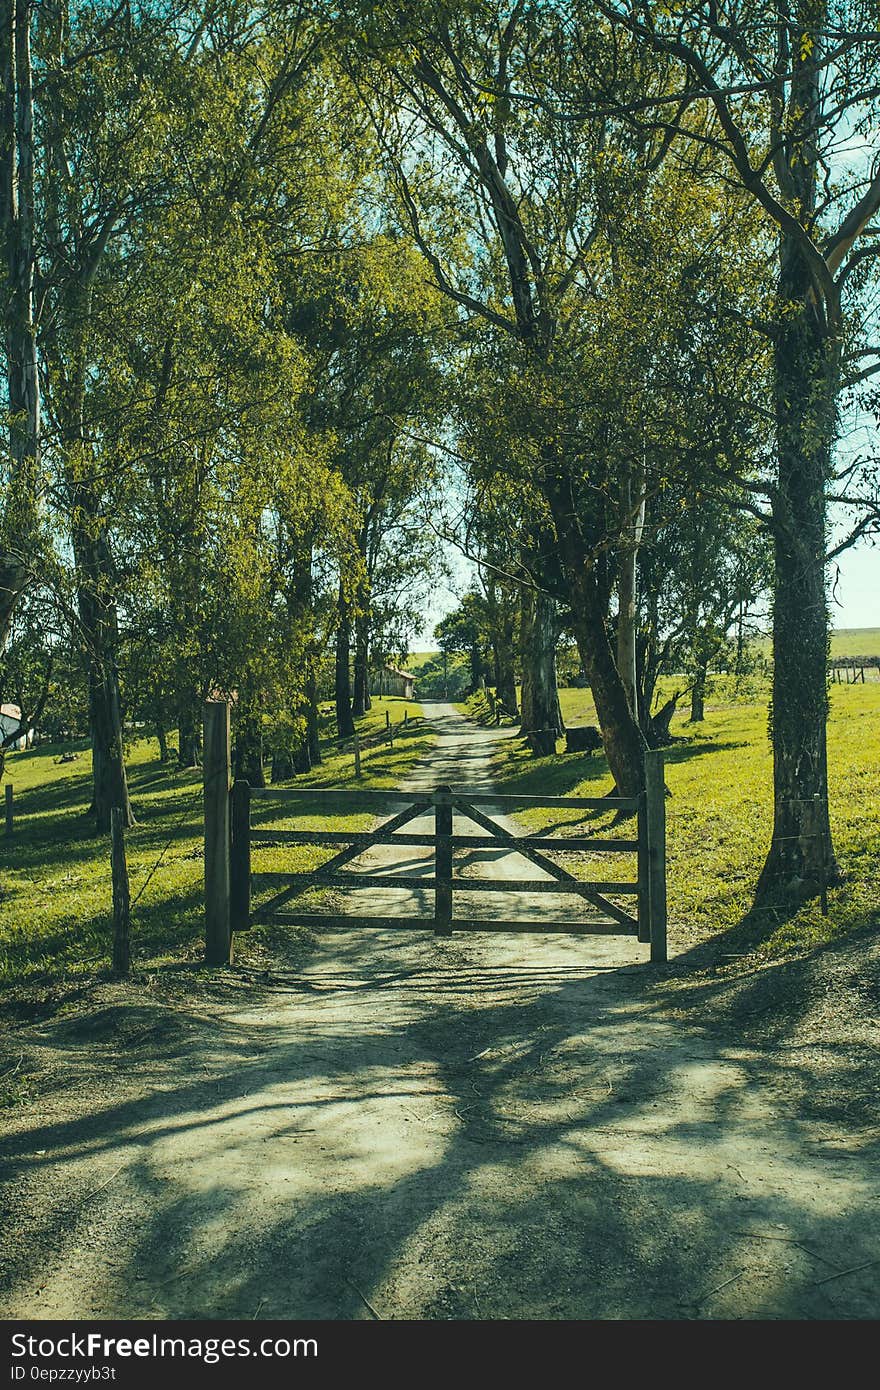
point(464, 631)
point(21, 476)
point(450, 92)
point(783, 97)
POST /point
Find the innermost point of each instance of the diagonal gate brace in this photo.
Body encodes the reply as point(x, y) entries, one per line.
point(562, 875)
point(345, 856)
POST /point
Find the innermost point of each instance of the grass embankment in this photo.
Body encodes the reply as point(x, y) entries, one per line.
point(55, 899)
point(719, 774)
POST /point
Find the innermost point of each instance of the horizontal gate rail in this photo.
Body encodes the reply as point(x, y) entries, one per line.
point(368, 837)
point(459, 885)
point(316, 877)
point(391, 798)
point(469, 924)
point(591, 803)
point(348, 795)
point(340, 837)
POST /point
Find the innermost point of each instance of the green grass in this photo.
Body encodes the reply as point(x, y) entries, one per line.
point(856, 641)
point(55, 899)
point(719, 815)
point(845, 641)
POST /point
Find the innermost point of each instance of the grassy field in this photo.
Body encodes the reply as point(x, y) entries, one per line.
point(856, 641)
point(845, 641)
point(719, 774)
point(55, 889)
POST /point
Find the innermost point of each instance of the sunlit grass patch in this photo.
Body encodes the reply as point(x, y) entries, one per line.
point(719, 814)
point(55, 895)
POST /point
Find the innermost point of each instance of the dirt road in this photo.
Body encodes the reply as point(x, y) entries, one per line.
point(407, 1127)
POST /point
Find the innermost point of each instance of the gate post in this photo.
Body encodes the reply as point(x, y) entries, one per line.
point(443, 861)
point(216, 775)
point(240, 857)
point(644, 871)
point(655, 818)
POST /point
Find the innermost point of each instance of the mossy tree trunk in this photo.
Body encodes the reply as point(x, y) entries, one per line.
point(801, 859)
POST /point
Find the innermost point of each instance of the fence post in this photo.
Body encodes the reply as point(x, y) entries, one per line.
point(357, 754)
point(655, 815)
point(216, 770)
point(644, 872)
point(240, 858)
point(443, 862)
point(8, 810)
point(121, 895)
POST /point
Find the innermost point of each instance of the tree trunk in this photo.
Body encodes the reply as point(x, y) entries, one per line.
point(344, 719)
point(162, 741)
point(633, 509)
point(100, 635)
point(658, 734)
point(507, 679)
point(314, 742)
point(621, 735)
point(361, 699)
point(110, 785)
point(249, 743)
point(189, 745)
point(801, 858)
point(17, 238)
point(698, 694)
point(478, 669)
point(527, 702)
point(502, 608)
point(282, 766)
point(541, 713)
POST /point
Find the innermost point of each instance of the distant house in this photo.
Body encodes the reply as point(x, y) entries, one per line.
point(387, 680)
point(10, 720)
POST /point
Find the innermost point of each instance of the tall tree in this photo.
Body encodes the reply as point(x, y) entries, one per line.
point(18, 522)
point(450, 90)
point(785, 97)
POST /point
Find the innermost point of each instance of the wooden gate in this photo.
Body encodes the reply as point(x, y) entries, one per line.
point(232, 885)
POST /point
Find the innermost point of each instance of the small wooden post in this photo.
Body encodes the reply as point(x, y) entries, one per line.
point(406, 716)
point(8, 810)
point(644, 873)
point(216, 770)
point(655, 807)
point(443, 862)
point(357, 754)
point(240, 858)
point(121, 895)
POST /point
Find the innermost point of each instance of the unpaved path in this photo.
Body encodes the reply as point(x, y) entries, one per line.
point(472, 1127)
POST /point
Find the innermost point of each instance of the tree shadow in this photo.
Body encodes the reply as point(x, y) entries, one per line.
point(479, 1153)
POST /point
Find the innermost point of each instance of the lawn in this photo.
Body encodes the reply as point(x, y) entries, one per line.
point(55, 889)
point(719, 774)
